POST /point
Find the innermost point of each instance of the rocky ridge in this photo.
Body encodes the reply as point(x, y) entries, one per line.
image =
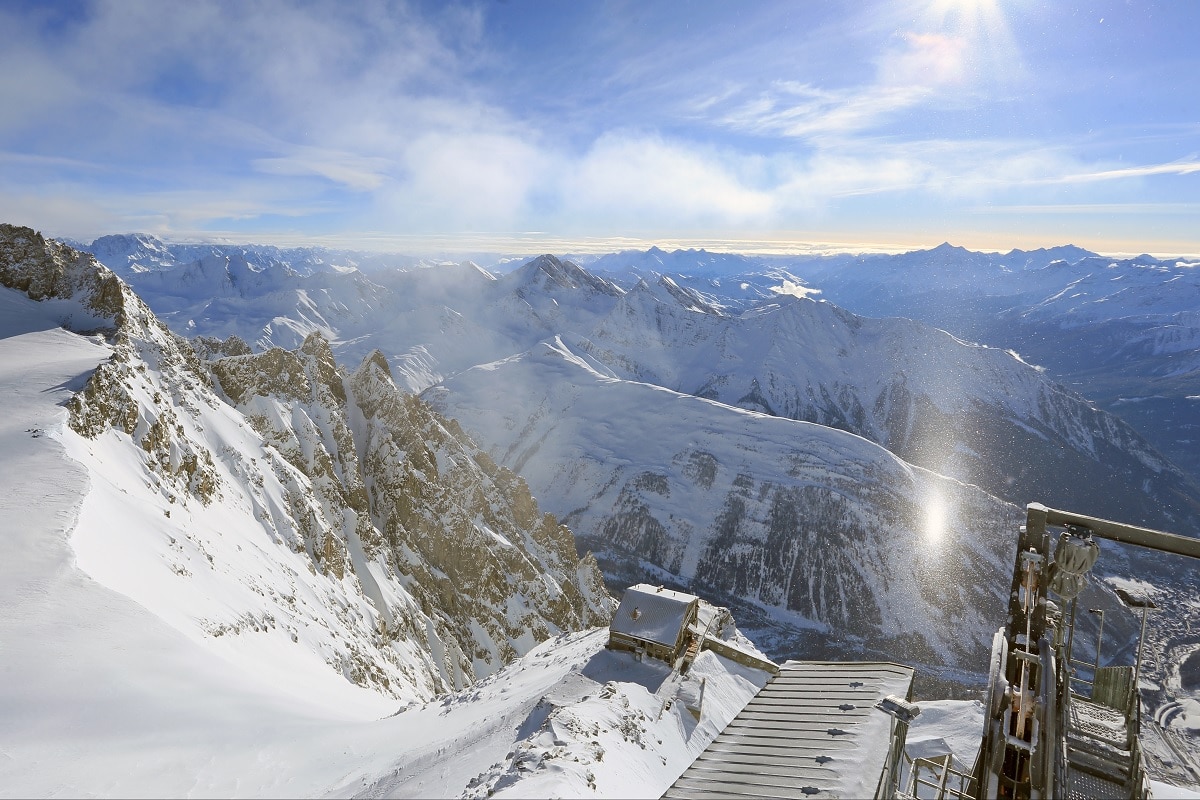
point(327, 508)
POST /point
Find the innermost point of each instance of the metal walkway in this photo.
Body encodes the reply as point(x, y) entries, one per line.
point(1098, 751)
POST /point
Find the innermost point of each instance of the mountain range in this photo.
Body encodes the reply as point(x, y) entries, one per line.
point(349, 577)
point(714, 421)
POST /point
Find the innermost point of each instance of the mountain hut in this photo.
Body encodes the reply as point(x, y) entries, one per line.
point(654, 621)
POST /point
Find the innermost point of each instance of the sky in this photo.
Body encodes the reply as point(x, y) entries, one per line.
point(532, 126)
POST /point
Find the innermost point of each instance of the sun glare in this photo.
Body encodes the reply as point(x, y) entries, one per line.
point(972, 18)
point(934, 527)
point(979, 7)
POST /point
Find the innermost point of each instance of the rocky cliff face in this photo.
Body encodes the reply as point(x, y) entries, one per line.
point(811, 528)
point(300, 505)
point(405, 499)
point(152, 375)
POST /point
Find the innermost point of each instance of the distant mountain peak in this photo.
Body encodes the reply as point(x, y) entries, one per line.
point(1042, 256)
point(549, 273)
point(147, 240)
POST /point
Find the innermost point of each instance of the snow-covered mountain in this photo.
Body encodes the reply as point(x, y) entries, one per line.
point(275, 585)
point(726, 280)
point(297, 510)
point(817, 528)
point(1122, 331)
point(256, 553)
point(692, 261)
point(974, 413)
point(493, 348)
point(129, 254)
point(584, 416)
point(674, 438)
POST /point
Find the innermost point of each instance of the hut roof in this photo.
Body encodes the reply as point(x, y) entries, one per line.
point(652, 613)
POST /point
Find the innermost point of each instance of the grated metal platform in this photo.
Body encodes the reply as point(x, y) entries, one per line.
point(1098, 755)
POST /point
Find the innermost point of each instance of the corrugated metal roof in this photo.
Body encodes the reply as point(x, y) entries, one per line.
point(812, 732)
point(660, 613)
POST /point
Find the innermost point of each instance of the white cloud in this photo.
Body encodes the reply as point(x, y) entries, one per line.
point(466, 180)
point(354, 172)
point(1174, 168)
point(630, 180)
point(59, 213)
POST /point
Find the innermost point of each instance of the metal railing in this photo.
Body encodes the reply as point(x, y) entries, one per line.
point(945, 781)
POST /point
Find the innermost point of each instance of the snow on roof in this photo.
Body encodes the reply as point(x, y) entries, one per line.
point(813, 731)
point(652, 613)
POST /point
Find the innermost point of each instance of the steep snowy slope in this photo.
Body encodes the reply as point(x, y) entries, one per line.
point(978, 414)
point(819, 528)
point(361, 542)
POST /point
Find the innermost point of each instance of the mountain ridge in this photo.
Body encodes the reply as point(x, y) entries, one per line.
point(286, 482)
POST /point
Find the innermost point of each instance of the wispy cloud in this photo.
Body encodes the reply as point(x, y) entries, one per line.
point(804, 111)
point(932, 65)
point(1092, 209)
point(355, 172)
point(431, 120)
point(1173, 168)
point(629, 179)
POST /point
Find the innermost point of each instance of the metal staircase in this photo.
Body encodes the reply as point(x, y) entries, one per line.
point(1099, 747)
point(1043, 739)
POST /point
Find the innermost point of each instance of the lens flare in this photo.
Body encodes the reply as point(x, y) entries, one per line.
point(935, 519)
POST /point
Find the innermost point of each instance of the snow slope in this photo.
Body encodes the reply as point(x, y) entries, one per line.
point(164, 633)
point(101, 695)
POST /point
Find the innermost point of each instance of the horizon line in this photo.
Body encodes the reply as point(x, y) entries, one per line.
point(534, 243)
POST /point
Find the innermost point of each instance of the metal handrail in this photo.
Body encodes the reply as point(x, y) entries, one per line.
point(942, 786)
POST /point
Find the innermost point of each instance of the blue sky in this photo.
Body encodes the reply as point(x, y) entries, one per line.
point(530, 126)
